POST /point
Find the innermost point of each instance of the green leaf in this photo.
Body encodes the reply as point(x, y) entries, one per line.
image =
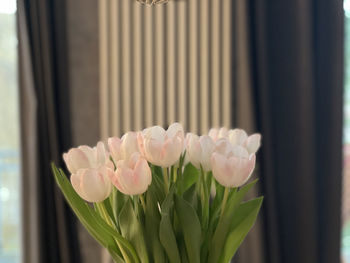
point(243, 221)
point(191, 228)
point(190, 195)
point(189, 177)
point(108, 206)
point(116, 257)
point(95, 225)
point(166, 232)
point(182, 246)
point(216, 205)
point(132, 230)
point(205, 196)
point(82, 210)
point(222, 230)
point(152, 220)
point(119, 200)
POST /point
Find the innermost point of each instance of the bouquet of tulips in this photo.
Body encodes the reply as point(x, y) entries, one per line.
point(160, 196)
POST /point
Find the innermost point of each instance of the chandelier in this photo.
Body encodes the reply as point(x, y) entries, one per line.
point(152, 2)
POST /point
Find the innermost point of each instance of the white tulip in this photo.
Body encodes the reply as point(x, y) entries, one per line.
point(240, 137)
point(133, 176)
point(85, 157)
point(199, 151)
point(122, 149)
point(237, 136)
point(92, 184)
point(217, 134)
point(232, 165)
point(160, 147)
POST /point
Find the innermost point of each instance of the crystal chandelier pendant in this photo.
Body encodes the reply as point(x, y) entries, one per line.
point(152, 2)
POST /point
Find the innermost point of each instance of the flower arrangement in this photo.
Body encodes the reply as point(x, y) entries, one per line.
point(158, 196)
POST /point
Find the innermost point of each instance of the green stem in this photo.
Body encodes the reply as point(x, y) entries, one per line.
point(125, 255)
point(175, 174)
point(143, 203)
point(224, 200)
point(166, 180)
point(104, 214)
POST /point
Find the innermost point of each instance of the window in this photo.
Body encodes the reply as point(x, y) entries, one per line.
point(10, 216)
point(346, 141)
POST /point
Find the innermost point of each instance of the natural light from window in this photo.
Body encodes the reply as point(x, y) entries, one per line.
point(346, 142)
point(10, 211)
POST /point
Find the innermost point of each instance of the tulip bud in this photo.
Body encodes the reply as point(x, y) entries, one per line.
point(85, 157)
point(217, 134)
point(232, 166)
point(92, 184)
point(122, 149)
point(160, 147)
point(199, 151)
point(132, 176)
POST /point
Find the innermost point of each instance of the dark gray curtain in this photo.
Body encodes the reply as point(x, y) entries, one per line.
point(297, 68)
point(48, 224)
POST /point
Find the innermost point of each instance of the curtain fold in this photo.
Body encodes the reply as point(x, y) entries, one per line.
point(49, 230)
point(297, 67)
point(251, 250)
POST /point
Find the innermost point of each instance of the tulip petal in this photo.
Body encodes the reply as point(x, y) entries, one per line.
point(114, 145)
point(101, 154)
point(69, 164)
point(124, 180)
point(253, 143)
point(207, 148)
point(237, 136)
point(93, 185)
point(213, 133)
point(171, 151)
point(194, 150)
point(153, 150)
point(77, 160)
point(129, 145)
point(142, 176)
point(220, 169)
point(89, 153)
point(175, 129)
point(240, 151)
point(156, 133)
point(241, 169)
point(223, 132)
point(75, 181)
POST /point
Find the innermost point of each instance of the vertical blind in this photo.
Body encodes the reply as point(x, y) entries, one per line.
point(165, 63)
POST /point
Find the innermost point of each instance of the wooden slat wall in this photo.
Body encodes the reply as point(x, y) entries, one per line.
point(165, 63)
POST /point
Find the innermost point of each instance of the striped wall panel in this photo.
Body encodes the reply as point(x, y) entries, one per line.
point(165, 63)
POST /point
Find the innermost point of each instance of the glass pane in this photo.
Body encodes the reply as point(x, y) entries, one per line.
point(10, 218)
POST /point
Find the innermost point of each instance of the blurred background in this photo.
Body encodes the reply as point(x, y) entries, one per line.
point(75, 72)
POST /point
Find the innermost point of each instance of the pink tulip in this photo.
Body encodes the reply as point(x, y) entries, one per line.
point(160, 147)
point(92, 184)
point(232, 165)
point(132, 176)
point(217, 134)
point(85, 157)
point(122, 149)
point(199, 151)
